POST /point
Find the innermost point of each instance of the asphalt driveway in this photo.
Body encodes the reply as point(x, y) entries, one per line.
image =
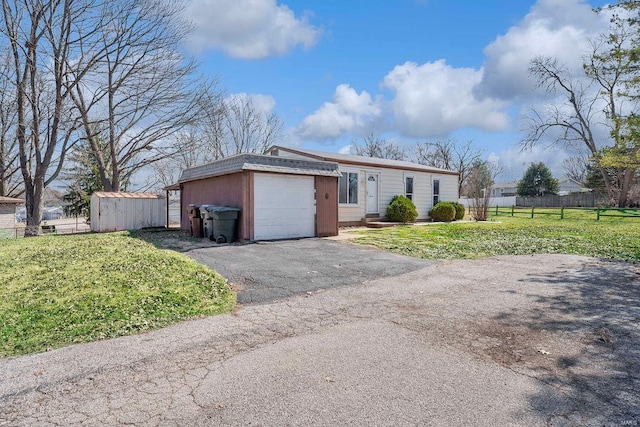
point(545, 340)
point(270, 271)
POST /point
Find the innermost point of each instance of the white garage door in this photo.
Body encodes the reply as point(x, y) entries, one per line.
point(284, 206)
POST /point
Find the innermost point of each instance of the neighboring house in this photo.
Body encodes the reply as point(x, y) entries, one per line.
point(367, 185)
point(568, 185)
point(504, 189)
point(279, 198)
point(8, 211)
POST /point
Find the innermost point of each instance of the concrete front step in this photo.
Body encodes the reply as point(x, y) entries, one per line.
point(382, 224)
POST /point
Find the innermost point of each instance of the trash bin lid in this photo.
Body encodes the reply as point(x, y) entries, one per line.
point(218, 208)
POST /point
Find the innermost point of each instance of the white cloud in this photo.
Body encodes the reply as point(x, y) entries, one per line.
point(248, 29)
point(515, 161)
point(349, 112)
point(557, 28)
point(261, 103)
point(434, 99)
point(346, 149)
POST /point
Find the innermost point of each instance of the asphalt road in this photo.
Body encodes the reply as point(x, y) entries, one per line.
point(520, 341)
point(270, 271)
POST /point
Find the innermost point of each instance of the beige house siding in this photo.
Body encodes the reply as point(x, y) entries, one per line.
point(391, 183)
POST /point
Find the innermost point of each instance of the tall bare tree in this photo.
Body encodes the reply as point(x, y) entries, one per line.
point(605, 94)
point(43, 39)
point(372, 146)
point(141, 92)
point(9, 163)
point(451, 155)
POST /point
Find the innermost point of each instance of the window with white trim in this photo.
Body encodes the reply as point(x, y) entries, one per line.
point(436, 191)
point(348, 188)
point(408, 187)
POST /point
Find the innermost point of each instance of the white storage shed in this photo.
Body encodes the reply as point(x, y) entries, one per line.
point(112, 211)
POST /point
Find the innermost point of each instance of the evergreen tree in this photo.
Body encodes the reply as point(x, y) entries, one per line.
point(84, 179)
point(537, 181)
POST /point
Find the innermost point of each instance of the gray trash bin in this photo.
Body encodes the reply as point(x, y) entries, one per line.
point(224, 223)
point(207, 221)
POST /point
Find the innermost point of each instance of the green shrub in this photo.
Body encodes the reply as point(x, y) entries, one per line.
point(443, 212)
point(460, 210)
point(401, 209)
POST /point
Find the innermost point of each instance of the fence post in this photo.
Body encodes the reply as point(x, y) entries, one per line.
point(532, 208)
point(511, 210)
point(496, 210)
point(598, 214)
point(562, 212)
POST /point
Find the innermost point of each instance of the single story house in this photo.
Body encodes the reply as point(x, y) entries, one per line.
point(367, 185)
point(569, 185)
point(278, 197)
point(8, 211)
point(290, 193)
point(504, 189)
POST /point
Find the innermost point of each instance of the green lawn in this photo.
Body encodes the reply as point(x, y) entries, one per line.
point(610, 238)
point(59, 290)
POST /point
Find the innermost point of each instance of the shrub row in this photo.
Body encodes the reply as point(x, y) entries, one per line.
point(401, 209)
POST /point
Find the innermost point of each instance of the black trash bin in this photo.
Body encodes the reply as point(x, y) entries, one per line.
point(224, 223)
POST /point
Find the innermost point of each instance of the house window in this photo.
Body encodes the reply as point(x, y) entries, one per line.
point(436, 191)
point(348, 184)
point(408, 187)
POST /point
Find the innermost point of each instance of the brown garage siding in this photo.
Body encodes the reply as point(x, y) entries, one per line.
point(220, 190)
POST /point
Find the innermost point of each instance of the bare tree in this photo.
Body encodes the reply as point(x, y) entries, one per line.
point(246, 129)
point(140, 92)
point(575, 167)
point(9, 163)
point(192, 153)
point(372, 146)
point(481, 177)
point(590, 100)
point(43, 38)
point(451, 155)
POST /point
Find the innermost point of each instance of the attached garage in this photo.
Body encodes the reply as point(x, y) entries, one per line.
point(278, 198)
point(284, 206)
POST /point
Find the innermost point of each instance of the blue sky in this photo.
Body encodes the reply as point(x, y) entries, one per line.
point(405, 70)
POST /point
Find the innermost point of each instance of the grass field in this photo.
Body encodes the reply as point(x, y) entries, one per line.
point(60, 290)
point(611, 238)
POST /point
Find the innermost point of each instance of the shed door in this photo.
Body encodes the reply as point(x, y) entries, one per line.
point(284, 206)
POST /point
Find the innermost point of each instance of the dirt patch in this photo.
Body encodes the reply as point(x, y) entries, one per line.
point(177, 240)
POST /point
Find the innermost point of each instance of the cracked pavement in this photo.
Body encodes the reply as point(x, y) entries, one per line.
point(528, 340)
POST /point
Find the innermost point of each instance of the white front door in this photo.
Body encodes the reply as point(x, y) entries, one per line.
point(372, 193)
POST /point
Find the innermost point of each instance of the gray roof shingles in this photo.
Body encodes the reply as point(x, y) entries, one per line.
point(262, 163)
